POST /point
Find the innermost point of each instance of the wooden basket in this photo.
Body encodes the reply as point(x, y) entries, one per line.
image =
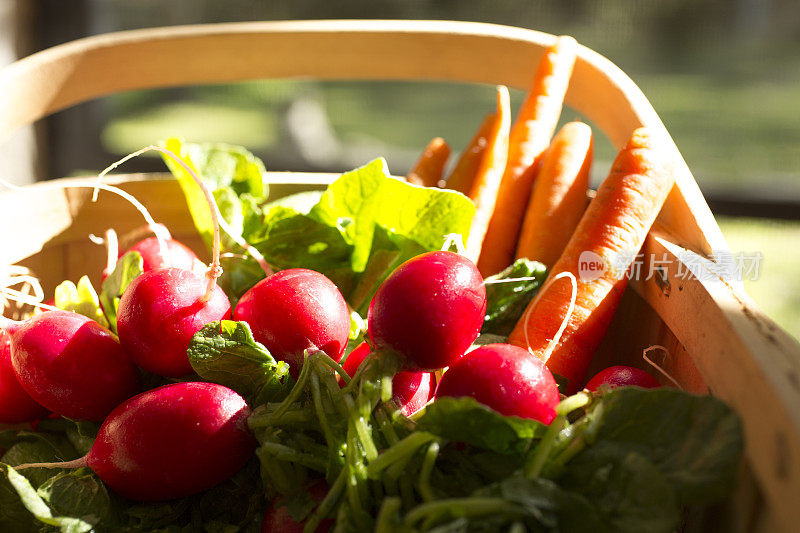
point(718, 338)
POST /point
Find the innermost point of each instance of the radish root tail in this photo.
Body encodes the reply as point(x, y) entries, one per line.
point(108, 188)
point(77, 463)
point(19, 275)
point(658, 367)
point(571, 309)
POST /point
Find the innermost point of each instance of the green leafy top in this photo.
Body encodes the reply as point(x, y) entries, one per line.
point(234, 175)
point(363, 198)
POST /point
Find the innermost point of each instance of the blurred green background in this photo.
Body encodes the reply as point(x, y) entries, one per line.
point(723, 75)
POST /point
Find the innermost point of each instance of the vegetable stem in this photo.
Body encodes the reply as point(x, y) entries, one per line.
point(388, 512)
point(293, 395)
point(424, 483)
point(461, 507)
point(285, 453)
point(404, 448)
point(536, 460)
point(327, 503)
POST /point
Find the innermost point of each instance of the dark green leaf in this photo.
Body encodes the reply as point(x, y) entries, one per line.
point(239, 274)
point(506, 300)
point(79, 433)
point(80, 494)
point(695, 441)
point(389, 251)
point(289, 239)
point(34, 503)
point(466, 420)
point(39, 448)
point(129, 267)
point(226, 353)
point(628, 492)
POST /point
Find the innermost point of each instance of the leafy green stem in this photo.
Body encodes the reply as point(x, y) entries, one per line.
point(295, 393)
point(327, 503)
point(424, 482)
point(460, 507)
point(536, 460)
point(285, 453)
point(387, 514)
point(403, 449)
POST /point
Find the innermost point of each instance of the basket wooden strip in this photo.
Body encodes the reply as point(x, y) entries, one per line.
point(734, 350)
point(745, 359)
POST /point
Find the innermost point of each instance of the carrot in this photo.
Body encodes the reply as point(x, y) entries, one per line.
point(487, 180)
point(610, 233)
point(430, 167)
point(530, 137)
point(558, 199)
point(463, 175)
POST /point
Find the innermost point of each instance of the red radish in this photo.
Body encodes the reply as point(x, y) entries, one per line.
point(162, 309)
point(507, 379)
point(296, 310)
point(177, 255)
point(170, 442)
point(277, 518)
point(410, 390)
point(16, 405)
point(71, 365)
point(429, 310)
point(621, 376)
point(160, 312)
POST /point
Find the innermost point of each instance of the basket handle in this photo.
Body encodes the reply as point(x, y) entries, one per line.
point(81, 70)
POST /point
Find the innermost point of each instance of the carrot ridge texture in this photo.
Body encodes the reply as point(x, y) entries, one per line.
point(463, 174)
point(530, 136)
point(558, 198)
point(429, 169)
point(490, 172)
point(611, 233)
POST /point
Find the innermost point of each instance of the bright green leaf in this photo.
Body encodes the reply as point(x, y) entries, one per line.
point(81, 299)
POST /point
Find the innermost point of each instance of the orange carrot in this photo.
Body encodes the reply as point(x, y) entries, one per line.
point(558, 199)
point(428, 170)
point(490, 171)
point(530, 137)
point(610, 234)
point(463, 175)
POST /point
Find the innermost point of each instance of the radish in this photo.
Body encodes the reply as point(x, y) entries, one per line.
point(621, 376)
point(159, 314)
point(505, 378)
point(162, 309)
point(16, 406)
point(277, 518)
point(158, 251)
point(410, 390)
point(296, 310)
point(177, 254)
point(170, 442)
point(429, 310)
point(71, 365)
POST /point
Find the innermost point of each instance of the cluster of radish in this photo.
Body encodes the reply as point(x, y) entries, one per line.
point(183, 438)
